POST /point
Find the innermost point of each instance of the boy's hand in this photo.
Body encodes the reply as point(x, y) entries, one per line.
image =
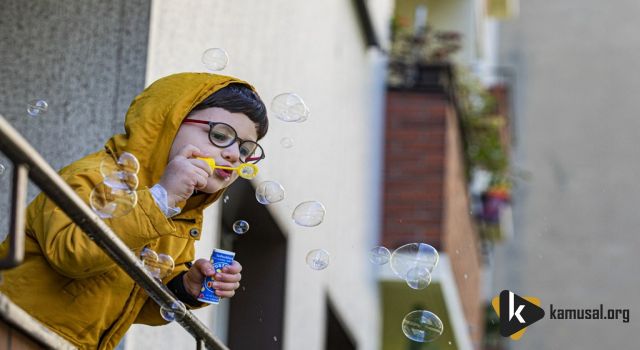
point(226, 282)
point(184, 174)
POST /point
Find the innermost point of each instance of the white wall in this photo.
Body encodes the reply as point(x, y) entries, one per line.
point(317, 50)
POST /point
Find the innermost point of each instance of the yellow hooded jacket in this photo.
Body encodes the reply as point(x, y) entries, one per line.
point(66, 281)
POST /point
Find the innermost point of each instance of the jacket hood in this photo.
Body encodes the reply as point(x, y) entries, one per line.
point(154, 117)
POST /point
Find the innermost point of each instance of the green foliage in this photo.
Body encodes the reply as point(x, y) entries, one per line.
point(480, 125)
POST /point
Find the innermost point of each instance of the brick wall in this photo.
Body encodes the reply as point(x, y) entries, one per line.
point(425, 190)
point(414, 168)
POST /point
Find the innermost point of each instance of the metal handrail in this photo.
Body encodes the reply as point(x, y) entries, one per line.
point(27, 160)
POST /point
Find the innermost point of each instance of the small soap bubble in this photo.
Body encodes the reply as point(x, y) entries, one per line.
point(122, 181)
point(158, 265)
point(318, 259)
point(418, 278)
point(269, 192)
point(413, 255)
point(240, 227)
point(309, 213)
point(226, 198)
point(286, 142)
point(275, 338)
point(379, 255)
point(120, 174)
point(2, 169)
point(176, 311)
point(37, 107)
point(289, 107)
point(422, 326)
point(215, 59)
point(109, 202)
point(128, 163)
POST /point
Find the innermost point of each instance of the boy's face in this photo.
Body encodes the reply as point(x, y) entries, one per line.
point(198, 136)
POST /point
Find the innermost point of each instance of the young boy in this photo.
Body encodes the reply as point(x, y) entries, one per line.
point(68, 283)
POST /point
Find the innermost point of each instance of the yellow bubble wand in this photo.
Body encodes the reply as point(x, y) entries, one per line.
point(245, 170)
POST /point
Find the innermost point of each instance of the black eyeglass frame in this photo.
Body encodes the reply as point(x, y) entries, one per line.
point(253, 160)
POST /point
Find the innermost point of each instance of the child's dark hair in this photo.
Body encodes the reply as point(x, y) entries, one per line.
point(239, 98)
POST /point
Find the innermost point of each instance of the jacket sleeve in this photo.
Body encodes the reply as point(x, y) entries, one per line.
point(150, 313)
point(70, 251)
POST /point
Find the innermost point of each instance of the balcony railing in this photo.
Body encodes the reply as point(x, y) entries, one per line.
point(28, 164)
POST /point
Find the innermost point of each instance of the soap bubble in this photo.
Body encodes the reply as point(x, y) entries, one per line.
point(286, 142)
point(2, 169)
point(422, 326)
point(413, 255)
point(418, 278)
point(240, 227)
point(176, 311)
point(289, 107)
point(309, 213)
point(215, 59)
point(37, 107)
point(121, 174)
point(158, 265)
point(379, 255)
point(122, 181)
point(128, 163)
point(110, 202)
point(318, 259)
point(269, 192)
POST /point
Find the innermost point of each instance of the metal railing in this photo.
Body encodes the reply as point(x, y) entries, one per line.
point(28, 164)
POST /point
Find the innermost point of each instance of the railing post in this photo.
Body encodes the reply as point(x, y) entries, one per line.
point(198, 344)
point(15, 254)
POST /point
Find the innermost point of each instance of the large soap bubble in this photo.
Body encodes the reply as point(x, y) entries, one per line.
point(422, 326)
point(158, 265)
point(318, 259)
point(120, 174)
point(128, 163)
point(309, 213)
point(411, 256)
point(215, 59)
point(418, 278)
point(289, 107)
point(112, 202)
point(379, 255)
point(269, 192)
point(175, 312)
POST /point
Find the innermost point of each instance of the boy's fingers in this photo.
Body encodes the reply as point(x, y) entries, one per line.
point(204, 267)
point(189, 151)
point(201, 164)
point(201, 182)
point(222, 286)
point(235, 267)
point(226, 277)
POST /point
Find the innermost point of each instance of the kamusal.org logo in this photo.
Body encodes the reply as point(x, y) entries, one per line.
point(556, 313)
point(519, 312)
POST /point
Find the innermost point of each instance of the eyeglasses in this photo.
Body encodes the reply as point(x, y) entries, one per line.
point(224, 135)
